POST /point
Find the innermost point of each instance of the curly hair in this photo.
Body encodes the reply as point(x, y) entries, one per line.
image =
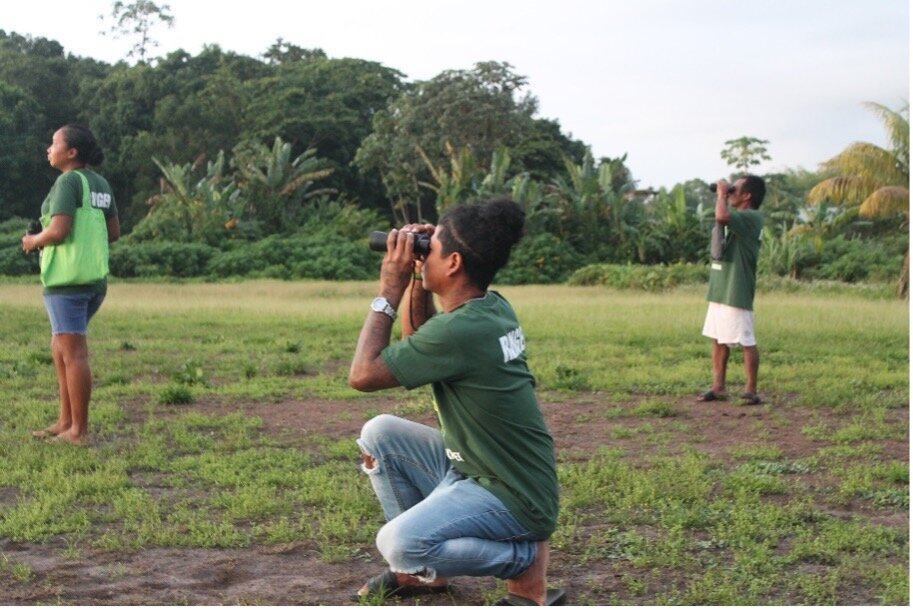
point(484, 233)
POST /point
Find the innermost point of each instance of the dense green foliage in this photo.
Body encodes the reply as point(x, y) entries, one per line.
point(218, 160)
point(13, 262)
point(480, 110)
point(872, 181)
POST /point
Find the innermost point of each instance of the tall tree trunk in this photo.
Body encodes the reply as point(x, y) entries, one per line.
point(903, 286)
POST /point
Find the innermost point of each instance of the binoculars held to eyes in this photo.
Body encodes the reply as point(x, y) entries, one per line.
point(730, 191)
point(378, 242)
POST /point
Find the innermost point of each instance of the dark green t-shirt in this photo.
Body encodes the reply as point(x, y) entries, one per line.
point(484, 395)
point(733, 278)
point(65, 196)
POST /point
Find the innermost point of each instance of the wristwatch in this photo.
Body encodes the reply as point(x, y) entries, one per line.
point(380, 304)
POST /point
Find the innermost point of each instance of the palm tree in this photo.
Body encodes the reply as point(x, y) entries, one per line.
point(874, 181)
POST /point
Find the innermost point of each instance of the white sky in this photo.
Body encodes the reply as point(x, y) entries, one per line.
point(665, 81)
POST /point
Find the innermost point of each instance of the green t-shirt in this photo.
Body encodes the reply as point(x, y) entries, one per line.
point(65, 196)
point(484, 395)
point(733, 278)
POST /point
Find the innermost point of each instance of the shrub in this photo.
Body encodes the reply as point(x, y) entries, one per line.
point(539, 259)
point(11, 231)
point(176, 394)
point(324, 255)
point(855, 260)
point(174, 259)
point(13, 262)
point(242, 259)
point(645, 277)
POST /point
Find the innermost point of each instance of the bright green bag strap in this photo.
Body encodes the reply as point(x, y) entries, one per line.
point(86, 193)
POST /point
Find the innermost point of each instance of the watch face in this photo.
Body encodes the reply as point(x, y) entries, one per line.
point(383, 306)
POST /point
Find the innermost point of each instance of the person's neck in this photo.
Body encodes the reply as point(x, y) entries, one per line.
point(459, 296)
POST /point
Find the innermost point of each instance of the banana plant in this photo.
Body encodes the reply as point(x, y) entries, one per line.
point(276, 187)
point(465, 181)
point(191, 209)
point(821, 222)
point(593, 211)
point(495, 182)
point(783, 255)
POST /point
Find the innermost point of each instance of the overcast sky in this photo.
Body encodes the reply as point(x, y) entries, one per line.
point(665, 81)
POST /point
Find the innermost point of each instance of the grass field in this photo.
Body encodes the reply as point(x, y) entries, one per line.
point(223, 432)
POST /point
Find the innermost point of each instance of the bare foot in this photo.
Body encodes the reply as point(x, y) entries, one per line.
point(70, 438)
point(51, 431)
point(531, 584)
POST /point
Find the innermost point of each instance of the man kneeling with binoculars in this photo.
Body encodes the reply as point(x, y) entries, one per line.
point(479, 497)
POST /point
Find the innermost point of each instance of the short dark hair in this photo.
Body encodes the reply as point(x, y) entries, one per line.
point(754, 186)
point(82, 139)
point(484, 233)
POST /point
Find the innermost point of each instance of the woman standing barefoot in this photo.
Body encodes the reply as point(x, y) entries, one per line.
point(79, 219)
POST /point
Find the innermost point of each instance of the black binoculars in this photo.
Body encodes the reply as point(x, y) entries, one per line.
point(730, 190)
point(378, 242)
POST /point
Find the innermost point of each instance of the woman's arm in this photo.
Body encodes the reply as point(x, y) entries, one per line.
point(56, 232)
point(113, 228)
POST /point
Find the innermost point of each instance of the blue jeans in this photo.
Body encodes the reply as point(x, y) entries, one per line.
point(439, 522)
point(71, 313)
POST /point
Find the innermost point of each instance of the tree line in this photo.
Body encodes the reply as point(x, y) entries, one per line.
point(221, 151)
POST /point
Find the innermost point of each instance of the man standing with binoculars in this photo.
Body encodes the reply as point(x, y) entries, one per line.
point(733, 274)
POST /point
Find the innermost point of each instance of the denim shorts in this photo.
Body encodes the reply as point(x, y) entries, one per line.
point(71, 313)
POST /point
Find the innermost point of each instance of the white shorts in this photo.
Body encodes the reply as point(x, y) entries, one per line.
point(729, 325)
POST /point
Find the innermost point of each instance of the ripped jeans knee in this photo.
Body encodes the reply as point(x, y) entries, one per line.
point(371, 433)
point(368, 464)
point(404, 461)
point(374, 433)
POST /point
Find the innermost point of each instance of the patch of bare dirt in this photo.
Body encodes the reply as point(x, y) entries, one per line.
point(295, 575)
